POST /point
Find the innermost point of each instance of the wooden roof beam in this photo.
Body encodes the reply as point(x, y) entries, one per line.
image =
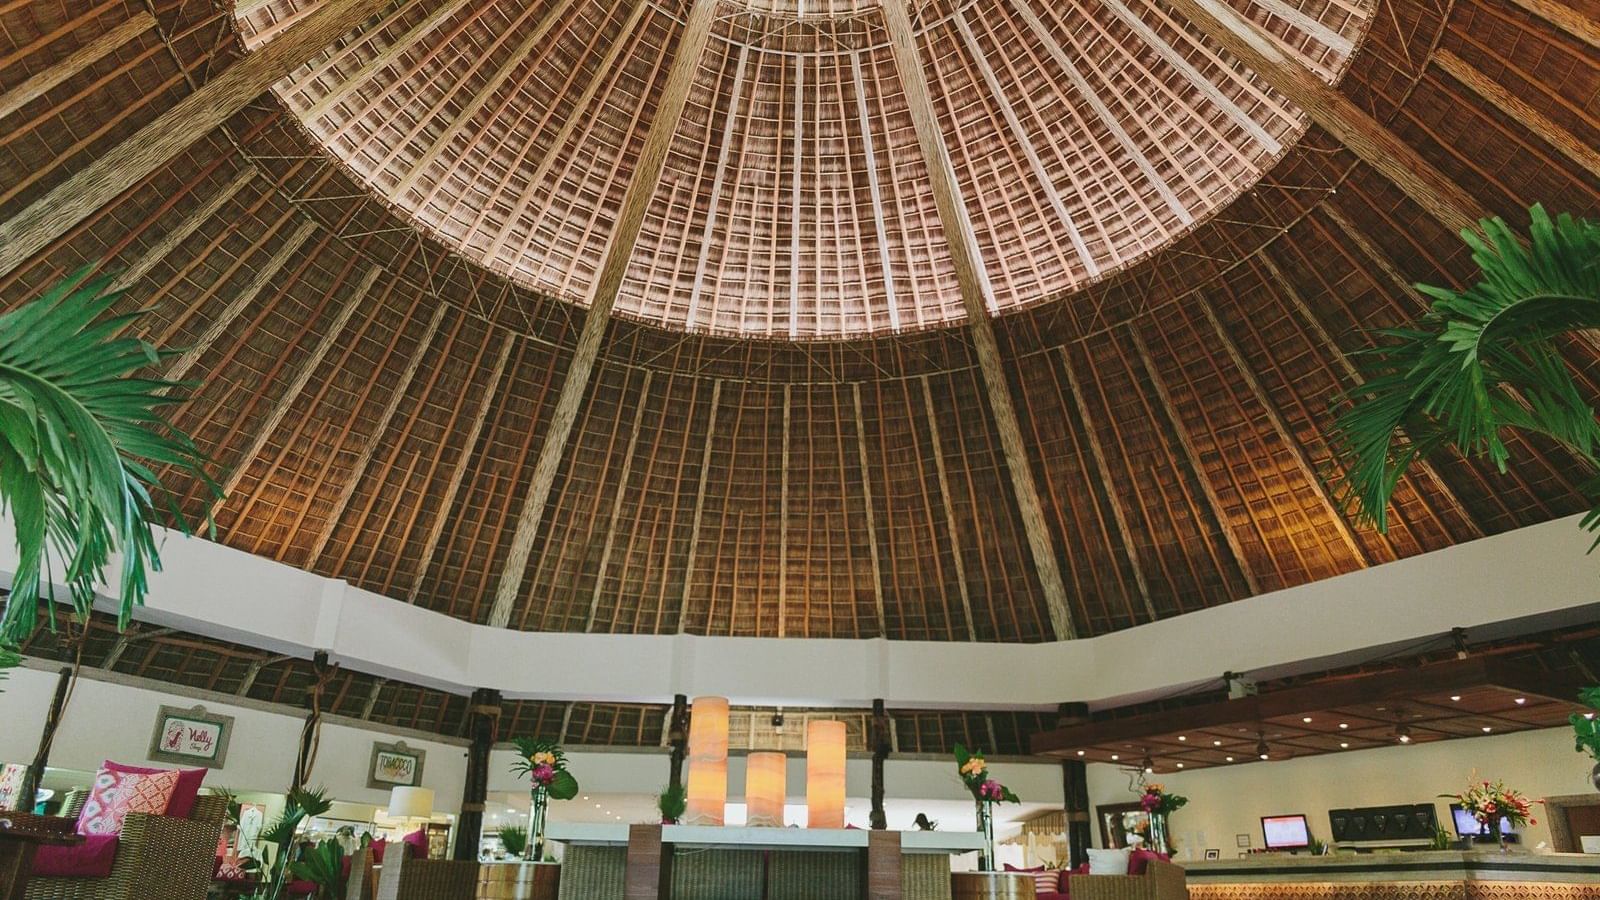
point(603, 296)
point(872, 518)
point(973, 279)
point(1374, 144)
point(617, 498)
point(383, 58)
point(158, 143)
point(1565, 18)
point(75, 62)
point(699, 505)
point(932, 418)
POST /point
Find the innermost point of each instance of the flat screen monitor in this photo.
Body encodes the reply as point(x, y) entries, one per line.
point(1286, 832)
point(1467, 825)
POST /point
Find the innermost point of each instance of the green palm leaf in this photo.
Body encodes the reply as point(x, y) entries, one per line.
point(1480, 363)
point(9, 659)
point(80, 435)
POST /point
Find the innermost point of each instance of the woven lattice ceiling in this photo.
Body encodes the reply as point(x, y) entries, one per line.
point(795, 201)
point(379, 404)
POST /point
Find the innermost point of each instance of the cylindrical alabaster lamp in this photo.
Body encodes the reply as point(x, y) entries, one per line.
point(410, 803)
point(708, 761)
point(766, 783)
point(825, 774)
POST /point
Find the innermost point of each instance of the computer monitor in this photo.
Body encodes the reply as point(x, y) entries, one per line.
point(1467, 825)
point(1286, 832)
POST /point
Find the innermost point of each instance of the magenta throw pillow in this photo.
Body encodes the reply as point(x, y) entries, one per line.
point(91, 859)
point(188, 790)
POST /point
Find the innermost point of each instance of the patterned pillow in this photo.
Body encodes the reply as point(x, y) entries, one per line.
point(116, 794)
point(1046, 881)
point(11, 776)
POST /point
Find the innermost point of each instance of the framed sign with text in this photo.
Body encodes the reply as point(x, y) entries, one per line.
point(395, 765)
point(191, 737)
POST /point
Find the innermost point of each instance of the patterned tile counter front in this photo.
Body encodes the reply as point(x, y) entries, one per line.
point(1441, 875)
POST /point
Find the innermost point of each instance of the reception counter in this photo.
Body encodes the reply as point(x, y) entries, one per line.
point(1429, 875)
point(685, 862)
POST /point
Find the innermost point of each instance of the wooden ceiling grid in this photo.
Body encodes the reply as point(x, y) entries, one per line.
point(401, 482)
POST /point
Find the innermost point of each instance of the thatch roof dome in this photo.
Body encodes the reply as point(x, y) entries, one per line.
point(795, 202)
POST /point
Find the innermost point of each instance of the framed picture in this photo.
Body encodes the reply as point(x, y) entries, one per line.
point(1213, 854)
point(1241, 840)
point(191, 737)
point(395, 765)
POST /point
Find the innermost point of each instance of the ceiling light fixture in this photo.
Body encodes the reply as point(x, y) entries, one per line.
point(1521, 700)
point(1343, 725)
point(1115, 757)
point(1180, 765)
point(1230, 759)
point(1262, 750)
point(1403, 734)
point(1343, 745)
point(1487, 729)
point(1306, 719)
point(1182, 737)
point(1149, 765)
point(1456, 698)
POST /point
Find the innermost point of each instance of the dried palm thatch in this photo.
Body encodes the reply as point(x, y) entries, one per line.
point(386, 262)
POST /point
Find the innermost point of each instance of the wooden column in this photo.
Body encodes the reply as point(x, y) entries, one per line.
point(649, 869)
point(1376, 145)
point(974, 279)
point(174, 131)
point(1075, 789)
point(484, 728)
point(678, 740)
point(882, 866)
point(603, 296)
point(882, 744)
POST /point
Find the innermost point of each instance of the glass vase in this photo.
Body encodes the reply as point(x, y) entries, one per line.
point(536, 817)
point(1494, 833)
point(1158, 834)
point(986, 861)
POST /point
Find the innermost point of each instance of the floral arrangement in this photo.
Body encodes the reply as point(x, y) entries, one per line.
point(1491, 801)
point(975, 775)
point(1156, 801)
point(545, 764)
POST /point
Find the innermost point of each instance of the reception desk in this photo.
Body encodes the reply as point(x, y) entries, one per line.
point(1429, 875)
point(685, 862)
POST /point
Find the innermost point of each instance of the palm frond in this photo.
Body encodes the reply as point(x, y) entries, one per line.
point(9, 659)
point(80, 436)
point(1481, 362)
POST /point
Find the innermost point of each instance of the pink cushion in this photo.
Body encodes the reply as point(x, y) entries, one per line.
point(189, 781)
point(418, 842)
point(116, 794)
point(302, 888)
point(1139, 860)
point(1043, 879)
point(91, 859)
point(377, 851)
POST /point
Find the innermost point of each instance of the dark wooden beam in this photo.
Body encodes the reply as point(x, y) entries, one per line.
point(1452, 675)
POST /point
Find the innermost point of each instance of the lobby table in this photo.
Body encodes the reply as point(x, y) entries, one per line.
point(691, 862)
point(1420, 875)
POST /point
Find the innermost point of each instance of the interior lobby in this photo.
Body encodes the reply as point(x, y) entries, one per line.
point(799, 449)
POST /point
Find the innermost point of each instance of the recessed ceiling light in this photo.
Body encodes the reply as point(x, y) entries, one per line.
point(1343, 725)
point(1306, 719)
point(1230, 759)
point(1115, 757)
point(1216, 743)
point(597, 806)
point(1180, 765)
point(1080, 752)
point(1456, 698)
point(1521, 700)
point(1183, 737)
point(1487, 729)
point(1344, 745)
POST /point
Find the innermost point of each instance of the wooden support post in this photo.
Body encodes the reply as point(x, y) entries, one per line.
point(882, 743)
point(883, 859)
point(1075, 789)
point(974, 279)
point(678, 740)
point(603, 296)
point(649, 867)
point(1374, 144)
point(484, 729)
point(52, 722)
point(156, 144)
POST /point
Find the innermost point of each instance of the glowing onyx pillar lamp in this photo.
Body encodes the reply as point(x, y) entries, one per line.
point(766, 778)
point(825, 774)
point(708, 761)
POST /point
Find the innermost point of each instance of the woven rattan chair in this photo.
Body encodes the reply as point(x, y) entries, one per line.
point(158, 858)
point(1160, 881)
point(404, 877)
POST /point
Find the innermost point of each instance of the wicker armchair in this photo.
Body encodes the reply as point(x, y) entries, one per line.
point(157, 857)
point(403, 877)
point(1160, 881)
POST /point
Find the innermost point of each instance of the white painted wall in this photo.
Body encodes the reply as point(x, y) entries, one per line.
point(1224, 802)
point(1477, 585)
point(114, 721)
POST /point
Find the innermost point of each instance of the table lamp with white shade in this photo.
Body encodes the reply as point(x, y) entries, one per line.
point(410, 804)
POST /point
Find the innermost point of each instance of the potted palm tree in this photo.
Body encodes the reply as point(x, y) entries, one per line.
point(81, 434)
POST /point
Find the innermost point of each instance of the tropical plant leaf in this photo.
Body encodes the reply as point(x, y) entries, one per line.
point(1480, 363)
point(323, 866)
point(81, 436)
point(9, 659)
point(564, 787)
point(514, 838)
